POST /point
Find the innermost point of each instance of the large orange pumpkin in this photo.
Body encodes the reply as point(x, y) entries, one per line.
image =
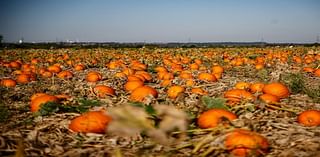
point(243, 143)
point(140, 93)
point(309, 118)
point(213, 117)
point(276, 89)
point(90, 122)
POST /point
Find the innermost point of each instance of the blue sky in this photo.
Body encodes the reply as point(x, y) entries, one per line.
point(160, 21)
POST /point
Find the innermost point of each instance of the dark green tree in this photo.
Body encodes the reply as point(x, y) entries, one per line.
point(1, 38)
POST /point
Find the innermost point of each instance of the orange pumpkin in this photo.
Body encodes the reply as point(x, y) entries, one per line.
point(65, 74)
point(242, 85)
point(102, 91)
point(174, 91)
point(207, 77)
point(243, 143)
point(38, 101)
point(309, 118)
point(217, 69)
point(236, 95)
point(132, 85)
point(54, 69)
point(140, 93)
point(317, 72)
point(256, 87)
point(213, 117)
point(7, 82)
point(276, 89)
point(93, 76)
point(90, 122)
point(199, 91)
point(269, 99)
point(79, 67)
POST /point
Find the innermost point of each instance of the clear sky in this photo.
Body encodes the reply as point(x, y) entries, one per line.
point(160, 20)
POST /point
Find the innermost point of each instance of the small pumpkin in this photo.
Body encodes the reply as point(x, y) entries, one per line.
point(217, 69)
point(132, 85)
point(90, 122)
point(207, 77)
point(93, 76)
point(65, 74)
point(140, 93)
point(317, 72)
point(213, 117)
point(199, 91)
point(7, 82)
point(256, 87)
point(309, 118)
point(174, 91)
point(54, 69)
point(38, 101)
point(242, 85)
point(276, 89)
point(102, 91)
point(269, 99)
point(243, 143)
point(236, 95)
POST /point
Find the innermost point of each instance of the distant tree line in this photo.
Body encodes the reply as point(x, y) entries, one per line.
point(144, 45)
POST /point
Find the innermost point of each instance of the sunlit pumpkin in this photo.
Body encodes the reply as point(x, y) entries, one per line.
point(93, 76)
point(139, 94)
point(132, 85)
point(256, 87)
point(7, 82)
point(38, 101)
point(309, 118)
point(214, 117)
point(207, 77)
point(90, 122)
point(269, 99)
point(242, 143)
point(174, 91)
point(102, 91)
point(236, 95)
point(276, 89)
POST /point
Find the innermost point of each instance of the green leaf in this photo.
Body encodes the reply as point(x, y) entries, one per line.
point(48, 108)
point(214, 103)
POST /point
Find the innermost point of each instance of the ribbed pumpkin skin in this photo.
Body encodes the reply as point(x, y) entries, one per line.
point(269, 99)
point(140, 93)
point(90, 122)
point(132, 85)
point(309, 118)
point(103, 90)
point(174, 91)
point(238, 94)
point(276, 89)
point(207, 77)
point(242, 143)
point(211, 118)
point(36, 103)
point(256, 87)
point(8, 83)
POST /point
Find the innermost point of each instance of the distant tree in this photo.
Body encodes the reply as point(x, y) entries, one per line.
point(1, 38)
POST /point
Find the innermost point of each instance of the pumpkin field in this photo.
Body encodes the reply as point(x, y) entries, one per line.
point(122, 102)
